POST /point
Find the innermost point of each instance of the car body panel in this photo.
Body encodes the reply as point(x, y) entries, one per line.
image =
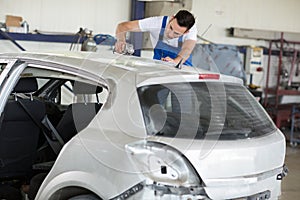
point(94, 173)
point(8, 78)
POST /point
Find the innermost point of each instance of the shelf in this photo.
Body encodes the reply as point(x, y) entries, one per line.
point(42, 37)
point(102, 39)
point(281, 113)
point(282, 91)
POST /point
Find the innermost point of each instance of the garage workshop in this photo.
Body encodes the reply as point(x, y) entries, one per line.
point(149, 100)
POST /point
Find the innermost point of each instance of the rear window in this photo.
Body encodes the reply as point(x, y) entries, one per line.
point(203, 110)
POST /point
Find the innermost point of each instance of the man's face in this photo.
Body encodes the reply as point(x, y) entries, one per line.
point(173, 30)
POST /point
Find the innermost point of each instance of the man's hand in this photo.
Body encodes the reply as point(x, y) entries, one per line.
point(122, 29)
point(168, 59)
point(175, 60)
point(120, 46)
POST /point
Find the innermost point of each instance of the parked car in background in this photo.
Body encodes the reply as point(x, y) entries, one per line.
point(91, 126)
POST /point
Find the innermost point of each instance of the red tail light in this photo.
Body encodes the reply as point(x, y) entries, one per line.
point(209, 76)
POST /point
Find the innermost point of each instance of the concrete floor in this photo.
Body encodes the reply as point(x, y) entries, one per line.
point(290, 187)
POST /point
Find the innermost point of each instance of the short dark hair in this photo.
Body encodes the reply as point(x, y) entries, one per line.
point(185, 19)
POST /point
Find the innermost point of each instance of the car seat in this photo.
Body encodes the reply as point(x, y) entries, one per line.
point(79, 115)
point(19, 134)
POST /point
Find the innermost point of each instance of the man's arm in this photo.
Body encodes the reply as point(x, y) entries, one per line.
point(187, 48)
point(184, 54)
point(122, 29)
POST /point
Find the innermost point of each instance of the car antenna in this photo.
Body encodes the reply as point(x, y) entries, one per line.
point(204, 32)
point(178, 66)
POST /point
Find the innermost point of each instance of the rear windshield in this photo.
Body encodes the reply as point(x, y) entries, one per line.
point(203, 110)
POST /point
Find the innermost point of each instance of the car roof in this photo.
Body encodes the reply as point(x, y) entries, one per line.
point(147, 70)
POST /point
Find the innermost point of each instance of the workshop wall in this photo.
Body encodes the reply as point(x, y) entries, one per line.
point(273, 15)
point(102, 16)
point(55, 16)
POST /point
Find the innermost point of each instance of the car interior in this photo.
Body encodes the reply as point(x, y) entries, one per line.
point(44, 111)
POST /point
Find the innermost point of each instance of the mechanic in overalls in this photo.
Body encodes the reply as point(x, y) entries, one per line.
point(173, 37)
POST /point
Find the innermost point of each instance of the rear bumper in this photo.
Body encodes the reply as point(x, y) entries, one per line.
point(265, 186)
point(268, 191)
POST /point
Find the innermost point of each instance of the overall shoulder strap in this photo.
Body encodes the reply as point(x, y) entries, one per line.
point(163, 26)
point(180, 41)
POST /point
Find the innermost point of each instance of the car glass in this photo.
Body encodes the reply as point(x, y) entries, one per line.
point(2, 67)
point(202, 109)
point(66, 93)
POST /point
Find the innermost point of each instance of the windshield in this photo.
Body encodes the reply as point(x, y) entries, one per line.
point(202, 109)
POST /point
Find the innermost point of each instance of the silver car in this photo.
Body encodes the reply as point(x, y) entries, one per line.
point(113, 127)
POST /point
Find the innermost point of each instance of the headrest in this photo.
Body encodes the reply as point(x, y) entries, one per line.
point(26, 85)
point(85, 88)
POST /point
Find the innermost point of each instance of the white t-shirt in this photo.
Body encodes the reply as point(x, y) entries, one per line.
point(153, 25)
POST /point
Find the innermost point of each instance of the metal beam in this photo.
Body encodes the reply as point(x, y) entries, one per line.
point(137, 12)
point(262, 34)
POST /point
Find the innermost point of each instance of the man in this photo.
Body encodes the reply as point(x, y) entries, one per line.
point(173, 37)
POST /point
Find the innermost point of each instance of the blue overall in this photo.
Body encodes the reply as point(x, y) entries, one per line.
point(163, 50)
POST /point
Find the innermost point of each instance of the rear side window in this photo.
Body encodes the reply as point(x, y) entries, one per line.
point(2, 67)
point(203, 109)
